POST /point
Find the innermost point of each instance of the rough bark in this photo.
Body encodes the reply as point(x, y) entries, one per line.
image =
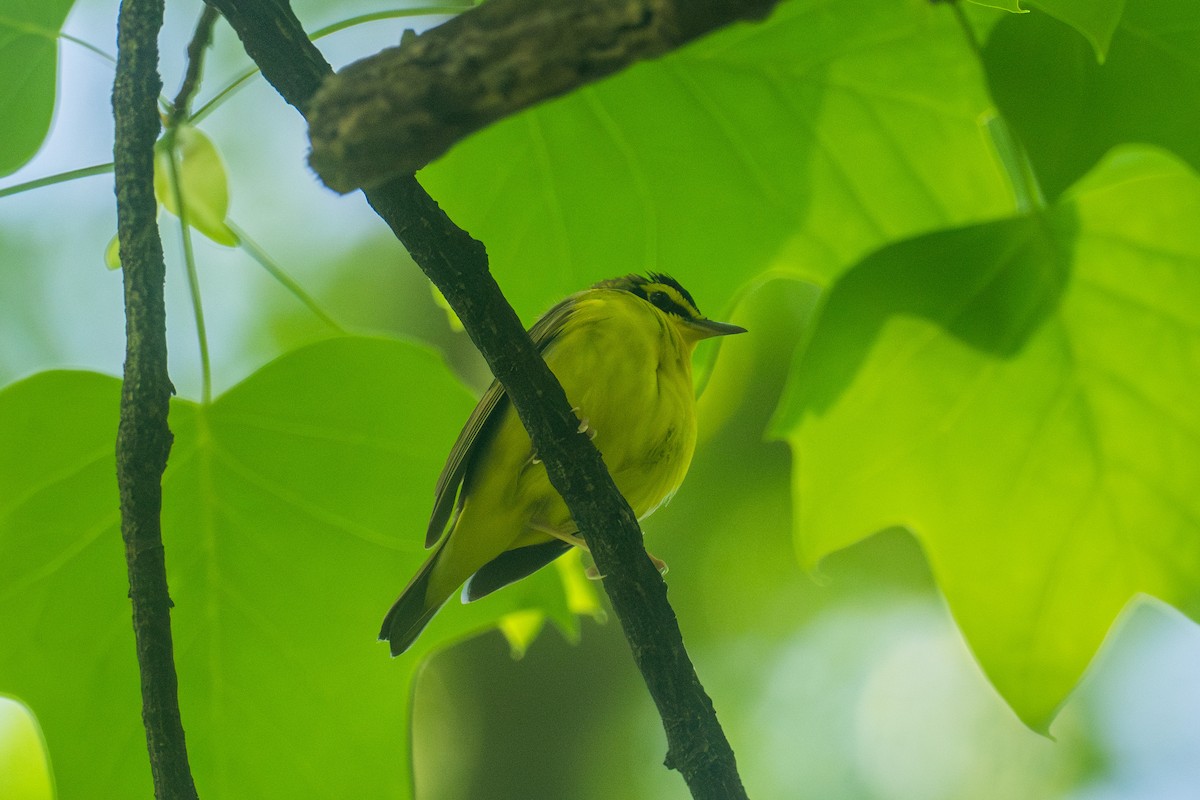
point(394, 112)
point(143, 436)
point(457, 265)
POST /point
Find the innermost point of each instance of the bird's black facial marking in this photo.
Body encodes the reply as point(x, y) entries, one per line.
point(684, 294)
point(659, 290)
point(664, 302)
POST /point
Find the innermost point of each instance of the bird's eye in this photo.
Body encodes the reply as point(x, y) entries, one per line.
point(659, 299)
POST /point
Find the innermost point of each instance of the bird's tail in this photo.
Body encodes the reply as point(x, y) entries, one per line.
point(412, 611)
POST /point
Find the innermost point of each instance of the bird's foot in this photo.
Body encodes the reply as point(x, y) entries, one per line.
point(583, 424)
point(593, 574)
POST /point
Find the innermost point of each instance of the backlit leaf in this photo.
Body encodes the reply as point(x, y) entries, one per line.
point(29, 63)
point(1021, 395)
point(801, 142)
point(202, 183)
point(1096, 20)
point(1068, 110)
point(24, 770)
point(294, 512)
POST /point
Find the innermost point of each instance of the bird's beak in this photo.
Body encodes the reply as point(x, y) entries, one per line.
point(707, 328)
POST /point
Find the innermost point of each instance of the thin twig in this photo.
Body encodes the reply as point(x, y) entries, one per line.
point(143, 436)
point(195, 61)
point(457, 265)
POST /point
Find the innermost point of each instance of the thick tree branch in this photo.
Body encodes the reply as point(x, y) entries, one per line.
point(143, 437)
point(394, 112)
point(457, 264)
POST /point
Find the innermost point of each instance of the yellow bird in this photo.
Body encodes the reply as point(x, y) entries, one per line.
point(622, 351)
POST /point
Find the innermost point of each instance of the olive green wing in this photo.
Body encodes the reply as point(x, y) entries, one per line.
point(480, 425)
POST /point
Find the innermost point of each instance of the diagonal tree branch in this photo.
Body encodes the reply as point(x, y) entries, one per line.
point(143, 436)
point(394, 112)
point(457, 264)
point(195, 61)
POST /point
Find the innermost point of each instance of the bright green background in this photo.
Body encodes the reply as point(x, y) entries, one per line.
point(1015, 389)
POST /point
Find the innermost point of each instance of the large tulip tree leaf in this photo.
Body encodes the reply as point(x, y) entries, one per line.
point(294, 512)
point(828, 130)
point(1069, 110)
point(29, 63)
point(1095, 20)
point(1021, 395)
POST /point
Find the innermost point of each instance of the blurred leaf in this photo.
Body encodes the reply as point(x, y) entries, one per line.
point(1020, 394)
point(803, 142)
point(202, 183)
point(1096, 20)
point(24, 769)
point(520, 628)
point(293, 514)
point(112, 253)
point(583, 595)
point(1069, 111)
point(29, 63)
point(444, 304)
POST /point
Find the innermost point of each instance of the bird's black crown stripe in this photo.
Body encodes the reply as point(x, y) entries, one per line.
point(664, 302)
point(643, 287)
point(667, 280)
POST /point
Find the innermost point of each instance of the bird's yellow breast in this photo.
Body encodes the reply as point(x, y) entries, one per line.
point(627, 372)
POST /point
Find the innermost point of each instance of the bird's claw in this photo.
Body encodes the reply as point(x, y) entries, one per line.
point(583, 424)
point(593, 574)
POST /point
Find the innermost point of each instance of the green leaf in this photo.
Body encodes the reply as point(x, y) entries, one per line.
point(112, 253)
point(520, 628)
point(1069, 111)
point(203, 187)
point(294, 512)
point(1096, 20)
point(29, 63)
point(872, 134)
point(24, 769)
point(1021, 395)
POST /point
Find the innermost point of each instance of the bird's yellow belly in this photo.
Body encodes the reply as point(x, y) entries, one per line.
point(636, 398)
point(641, 413)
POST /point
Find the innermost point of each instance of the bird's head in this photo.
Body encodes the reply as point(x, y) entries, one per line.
point(668, 296)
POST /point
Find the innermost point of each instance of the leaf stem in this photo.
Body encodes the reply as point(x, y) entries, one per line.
point(61, 177)
point(215, 102)
point(396, 13)
point(176, 117)
point(1014, 158)
point(52, 35)
point(66, 37)
point(278, 273)
point(189, 259)
point(376, 16)
point(1027, 191)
